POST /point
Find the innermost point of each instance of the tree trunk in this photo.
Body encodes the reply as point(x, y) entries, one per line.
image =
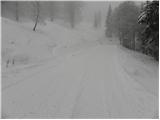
point(72, 19)
point(37, 16)
point(133, 41)
point(34, 29)
point(51, 19)
point(17, 14)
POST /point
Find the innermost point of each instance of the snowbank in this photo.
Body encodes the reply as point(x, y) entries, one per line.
point(23, 45)
point(20, 43)
point(142, 68)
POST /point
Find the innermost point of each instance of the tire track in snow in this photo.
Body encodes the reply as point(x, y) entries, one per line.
point(70, 97)
point(138, 101)
point(26, 78)
point(88, 84)
point(79, 94)
point(42, 69)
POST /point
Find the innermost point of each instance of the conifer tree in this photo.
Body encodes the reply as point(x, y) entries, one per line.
point(150, 18)
point(108, 23)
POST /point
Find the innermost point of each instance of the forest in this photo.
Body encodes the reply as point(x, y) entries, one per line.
point(39, 11)
point(137, 29)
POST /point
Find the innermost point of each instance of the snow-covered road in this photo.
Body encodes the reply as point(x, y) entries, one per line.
point(86, 84)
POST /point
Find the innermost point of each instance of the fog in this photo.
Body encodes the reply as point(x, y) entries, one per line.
point(87, 9)
point(80, 59)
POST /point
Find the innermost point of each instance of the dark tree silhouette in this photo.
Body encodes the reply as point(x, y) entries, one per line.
point(37, 7)
point(150, 18)
point(124, 23)
point(108, 23)
point(17, 11)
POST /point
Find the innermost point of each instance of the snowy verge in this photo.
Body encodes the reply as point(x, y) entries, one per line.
point(142, 68)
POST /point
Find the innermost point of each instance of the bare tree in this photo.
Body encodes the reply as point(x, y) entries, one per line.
point(99, 18)
point(17, 11)
point(73, 11)
point(52, 10)
point(37, 10)
point(3, 8)
point(95, 20)
point(71, 7)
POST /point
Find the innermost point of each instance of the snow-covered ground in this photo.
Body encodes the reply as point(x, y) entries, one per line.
point(74, 73)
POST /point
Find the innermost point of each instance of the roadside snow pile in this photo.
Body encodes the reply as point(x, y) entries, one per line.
point(142, 68)
point(23, 45)
point(23, 48)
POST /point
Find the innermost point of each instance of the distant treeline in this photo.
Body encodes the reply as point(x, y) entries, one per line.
point(137, 27)
point(51, 10)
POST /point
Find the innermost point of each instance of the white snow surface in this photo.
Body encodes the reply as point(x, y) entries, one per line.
point(61, 72)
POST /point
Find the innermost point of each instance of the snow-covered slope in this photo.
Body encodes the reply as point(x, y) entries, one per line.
point(31, 49)
point(142, 68)
point(89, 76)
point(22, 44)
point(19, 42)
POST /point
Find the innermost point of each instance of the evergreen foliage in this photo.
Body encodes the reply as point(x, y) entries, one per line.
point(150, 18)
point(108, 22)
point(137, 27)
